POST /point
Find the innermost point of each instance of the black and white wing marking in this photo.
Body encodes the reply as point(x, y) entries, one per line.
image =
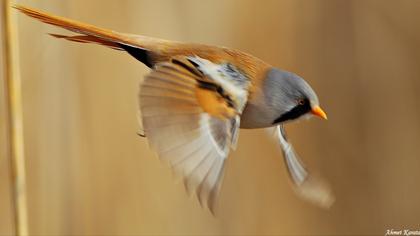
point(228, 77)
point(193, 142)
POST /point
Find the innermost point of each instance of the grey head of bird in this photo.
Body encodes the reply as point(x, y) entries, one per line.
point(284, 96)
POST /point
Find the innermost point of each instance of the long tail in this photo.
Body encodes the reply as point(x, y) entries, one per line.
point(136, 45)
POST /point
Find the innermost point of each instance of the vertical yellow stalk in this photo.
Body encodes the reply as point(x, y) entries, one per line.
point(14, 120)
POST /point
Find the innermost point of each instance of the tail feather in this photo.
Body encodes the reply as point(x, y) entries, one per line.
point(138, 46)
point(86, 29)
point(89, 39)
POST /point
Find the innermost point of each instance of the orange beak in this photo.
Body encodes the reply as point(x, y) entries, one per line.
point(319, 112)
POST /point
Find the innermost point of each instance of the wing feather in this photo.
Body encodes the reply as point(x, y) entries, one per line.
point(194, 143)
point(309, 187)
point(197, 176)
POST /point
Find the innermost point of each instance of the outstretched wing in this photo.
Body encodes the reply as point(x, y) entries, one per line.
point(190, 111)
point(309, 187)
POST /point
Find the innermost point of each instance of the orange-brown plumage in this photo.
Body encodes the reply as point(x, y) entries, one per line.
point(160, 50)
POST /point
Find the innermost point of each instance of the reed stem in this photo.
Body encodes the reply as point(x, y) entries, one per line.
point(14, 120)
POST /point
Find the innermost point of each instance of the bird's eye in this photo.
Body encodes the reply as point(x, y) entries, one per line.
point(301, 102)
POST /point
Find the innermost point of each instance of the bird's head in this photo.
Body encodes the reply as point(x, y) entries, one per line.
point(290, 97)
point(284, 97)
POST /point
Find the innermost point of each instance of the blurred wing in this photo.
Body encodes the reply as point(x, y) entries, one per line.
point(309, 187)
point(194, 142)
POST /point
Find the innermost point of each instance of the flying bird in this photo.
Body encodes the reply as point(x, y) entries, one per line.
point(196, 98)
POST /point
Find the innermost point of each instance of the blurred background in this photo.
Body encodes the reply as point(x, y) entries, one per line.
point(89, 173)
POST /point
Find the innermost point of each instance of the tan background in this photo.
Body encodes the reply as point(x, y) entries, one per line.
point(89, 173)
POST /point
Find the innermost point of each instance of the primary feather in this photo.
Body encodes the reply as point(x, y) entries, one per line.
point(309, 187)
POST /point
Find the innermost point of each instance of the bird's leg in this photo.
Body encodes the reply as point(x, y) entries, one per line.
point(141, 133)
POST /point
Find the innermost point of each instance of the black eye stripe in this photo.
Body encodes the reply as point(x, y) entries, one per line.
point(294, 113)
